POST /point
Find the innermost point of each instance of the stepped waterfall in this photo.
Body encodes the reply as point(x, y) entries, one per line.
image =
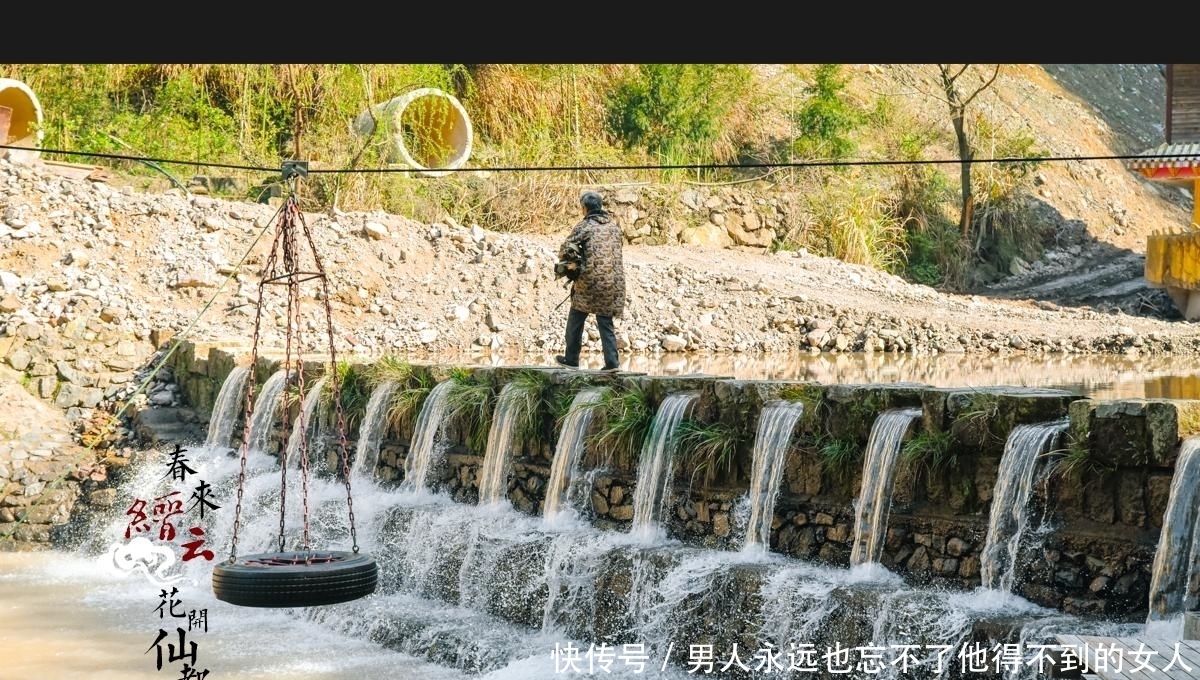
point(1173, 587)
point(771, 442)
point(655, 466)
point(567, 452)
point(875, 494)
point(489, 591)
point(266, 410)
point(502, 436)
point(371, 429)
point(304, 435)
point(1009, 514)
point(427, 446)
point(230, 401)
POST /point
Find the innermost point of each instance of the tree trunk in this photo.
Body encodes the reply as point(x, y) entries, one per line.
point(958, 107)
point(965, 155)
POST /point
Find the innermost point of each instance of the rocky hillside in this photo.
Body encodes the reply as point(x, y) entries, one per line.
point(94, 274)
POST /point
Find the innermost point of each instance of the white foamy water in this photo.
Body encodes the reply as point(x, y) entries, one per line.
point(567, 452)
point(485, 591)
point(301, 440)
point(1177, 557)
point(229, 404)
point(372, 429)
point(875, 495)
point(771, 443)
point(495, 469)
point(427, 446)
point(266, 410)
point(67, 617)
point(656, 465)
point(1009, 514)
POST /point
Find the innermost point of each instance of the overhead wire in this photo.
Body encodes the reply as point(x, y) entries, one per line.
point(771, 167)
point(648, 166)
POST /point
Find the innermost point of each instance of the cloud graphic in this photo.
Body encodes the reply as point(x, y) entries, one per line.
point(142, 555)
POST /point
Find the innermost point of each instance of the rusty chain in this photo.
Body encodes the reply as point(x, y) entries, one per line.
point(291, 275)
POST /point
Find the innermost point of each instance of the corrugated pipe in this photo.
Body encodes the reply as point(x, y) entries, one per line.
point(24, 120)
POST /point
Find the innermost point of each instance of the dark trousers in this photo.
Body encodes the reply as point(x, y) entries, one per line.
point(608, 337)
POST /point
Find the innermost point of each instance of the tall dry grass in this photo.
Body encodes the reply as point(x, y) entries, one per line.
point(254, 116)
point(853, 221)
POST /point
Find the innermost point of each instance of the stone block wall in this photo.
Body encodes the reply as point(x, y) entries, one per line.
point(1097, 507)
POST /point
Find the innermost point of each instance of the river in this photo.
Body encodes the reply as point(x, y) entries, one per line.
point(79, 614)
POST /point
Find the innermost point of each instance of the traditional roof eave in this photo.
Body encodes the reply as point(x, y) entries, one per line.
point(1168, 162)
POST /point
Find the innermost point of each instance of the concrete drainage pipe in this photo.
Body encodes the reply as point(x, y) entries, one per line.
point(429, 130)
point(24, 114)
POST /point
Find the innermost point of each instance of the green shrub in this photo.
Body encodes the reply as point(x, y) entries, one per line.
point(539, 115)
point(925, 194)
point(937, 256)
point(825, 119)
point(537, 397)
point(1076, 462)
point(812, 396)
point(926, 200)
point(408, 399)
point(469, 401)
point(675, 111)
point(1003, 227)
point(627, 420)
point(351, 382)
point(839, 456)
point(933, 450)
point(387, 369)
point(81, 93)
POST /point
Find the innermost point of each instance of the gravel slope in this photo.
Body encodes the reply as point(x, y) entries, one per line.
point(75, 247)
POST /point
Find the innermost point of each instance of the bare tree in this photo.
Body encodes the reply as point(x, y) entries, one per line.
point(958, 99)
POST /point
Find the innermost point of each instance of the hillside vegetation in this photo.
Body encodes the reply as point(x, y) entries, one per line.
point(871, 150)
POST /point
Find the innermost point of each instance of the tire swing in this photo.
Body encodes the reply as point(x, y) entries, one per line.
point(302, 577)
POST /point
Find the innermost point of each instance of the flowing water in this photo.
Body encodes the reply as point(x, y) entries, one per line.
point(1177, 559)
point(771, 443)
point(372, 429)
point(427, 445)
point(266, 410)
point(655, 466)
point(511, 406)
point(230, 401)
point(567, 452)
point(476, 591)
point(304, 436)
point(465, 591)
point(875, 495)
point(78, 617)
point(1009, 514)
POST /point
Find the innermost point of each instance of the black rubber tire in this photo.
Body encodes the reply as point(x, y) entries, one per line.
point(295, 579)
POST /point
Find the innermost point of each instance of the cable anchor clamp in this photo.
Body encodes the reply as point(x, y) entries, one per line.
point(294, 169)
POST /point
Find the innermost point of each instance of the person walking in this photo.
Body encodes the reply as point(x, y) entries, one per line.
point(600, 288)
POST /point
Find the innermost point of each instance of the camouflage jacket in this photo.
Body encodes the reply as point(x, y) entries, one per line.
point(600, 289)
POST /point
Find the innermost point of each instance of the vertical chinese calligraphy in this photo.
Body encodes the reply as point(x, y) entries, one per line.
point(174, 519)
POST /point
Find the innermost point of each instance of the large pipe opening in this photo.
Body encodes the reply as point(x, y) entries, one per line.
point(429, 130)
point(24, 120)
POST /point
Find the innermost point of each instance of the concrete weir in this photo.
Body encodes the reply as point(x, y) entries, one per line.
point(1096, 504)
